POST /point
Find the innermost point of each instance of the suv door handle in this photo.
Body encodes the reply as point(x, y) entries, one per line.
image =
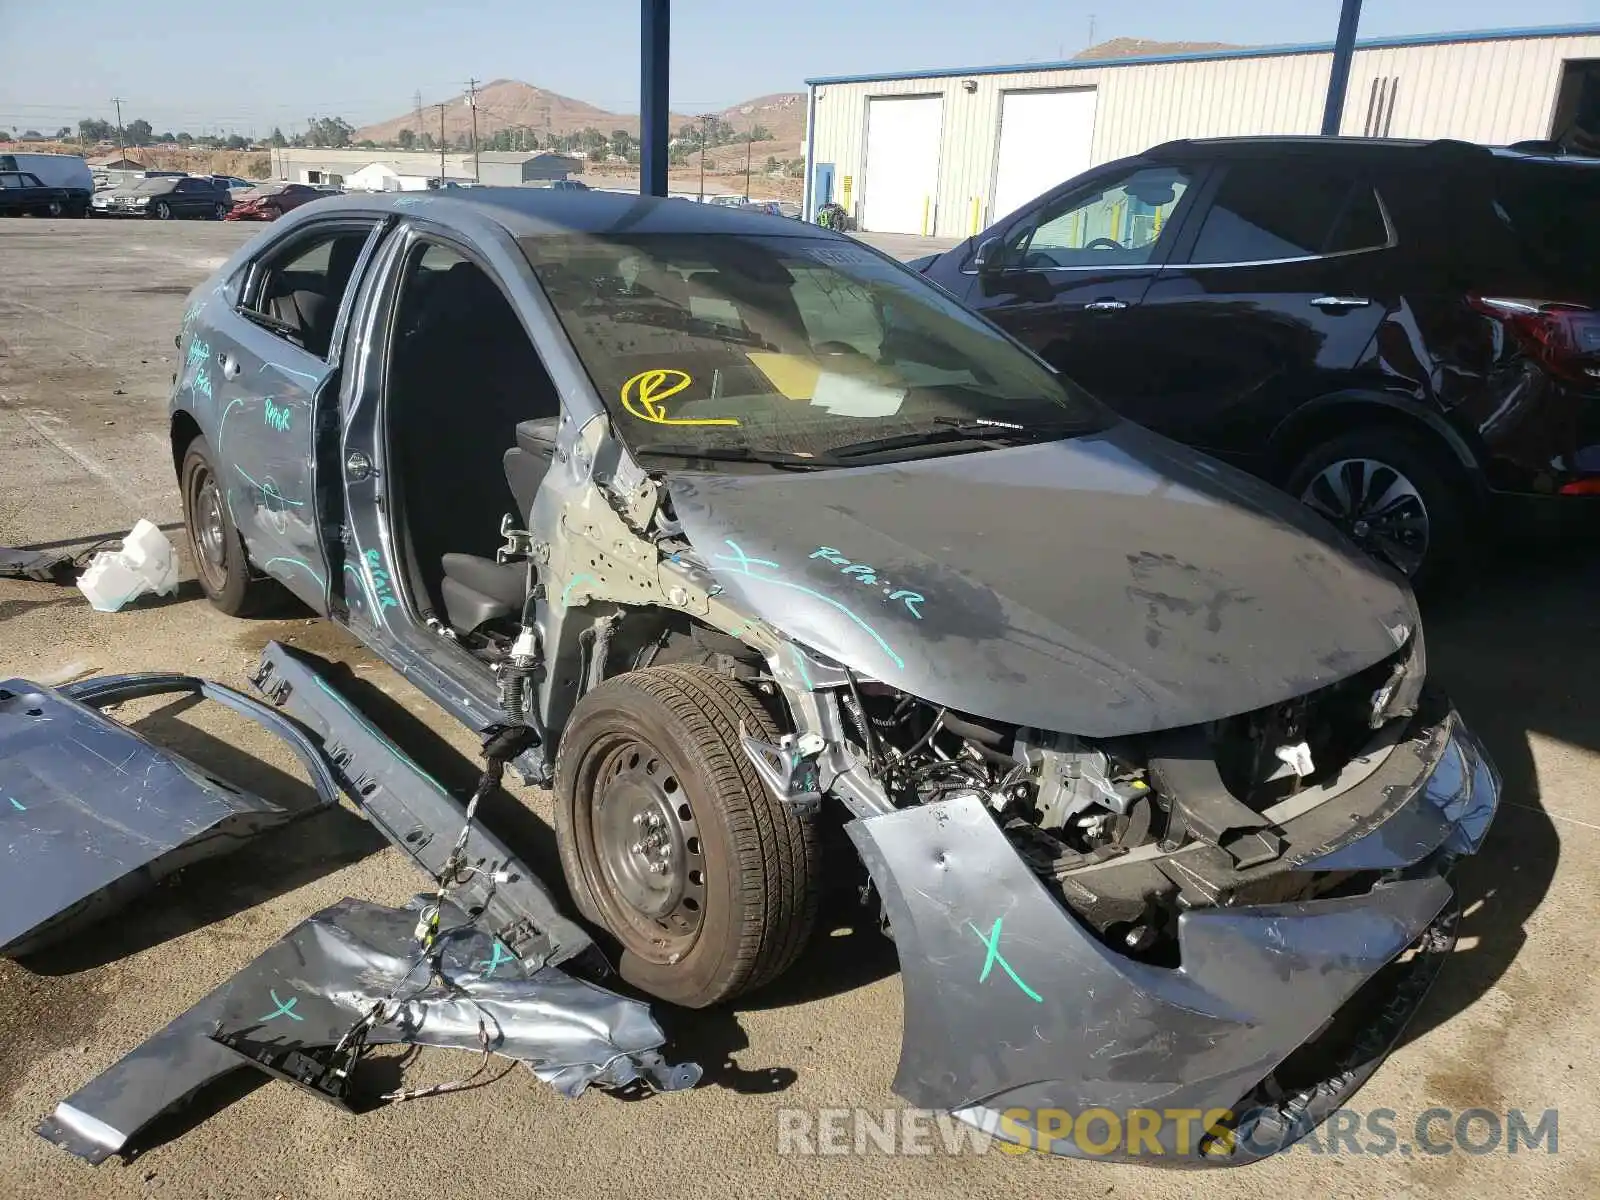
point(1334, 303)
point(229, 364)
point(1104, 305)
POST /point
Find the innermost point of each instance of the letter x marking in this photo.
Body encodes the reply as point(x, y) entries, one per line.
point(501, 955)
point(287, 1009)
point(992, 942)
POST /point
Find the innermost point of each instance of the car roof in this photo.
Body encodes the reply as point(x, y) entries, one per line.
point(1391, 149)
point(553, 212)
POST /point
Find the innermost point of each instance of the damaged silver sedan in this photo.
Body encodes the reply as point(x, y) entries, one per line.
point(751, 531)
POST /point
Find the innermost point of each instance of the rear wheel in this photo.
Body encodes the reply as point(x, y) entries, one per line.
point(670, 840)
point(219, 557)
point(1393, 494)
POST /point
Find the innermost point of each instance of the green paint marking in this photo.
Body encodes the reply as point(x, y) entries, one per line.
point(16, 804)
point(566, 592)
point(297, 562)
point(283, 1009)
point(992, 942)
point(382, 741)
point(501, 955)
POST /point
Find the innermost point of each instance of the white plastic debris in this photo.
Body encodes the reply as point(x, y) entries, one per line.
point(146, 563)
point(1297, 758)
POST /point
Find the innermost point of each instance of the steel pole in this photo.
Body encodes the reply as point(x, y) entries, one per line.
point(1344, 50)
point(654, 44)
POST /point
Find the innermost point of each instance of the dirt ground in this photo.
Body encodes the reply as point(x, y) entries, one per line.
point(88, 310)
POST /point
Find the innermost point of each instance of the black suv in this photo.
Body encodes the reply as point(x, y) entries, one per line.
point(1406, 335)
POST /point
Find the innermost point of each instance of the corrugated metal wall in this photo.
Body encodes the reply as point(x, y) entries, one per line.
point(1487, 91)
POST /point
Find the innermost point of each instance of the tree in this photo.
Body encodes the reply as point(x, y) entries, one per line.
point(329, 132)
point(407, 139)
point(140, 133)
point(760, 133)
point(186, 139)
point(92, 130)
point(773, 166)
point(276, 140)
point(235, 142)
point(169, 136)
point(64, 133)
point(621, 143)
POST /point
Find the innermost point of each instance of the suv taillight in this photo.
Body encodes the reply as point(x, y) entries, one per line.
point(1563, 338)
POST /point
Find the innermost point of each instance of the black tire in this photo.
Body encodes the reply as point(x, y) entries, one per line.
point(218, 211)
point(161, 210)
point(1439, 483)
point(757, 860)
point(220, 563)
point(55, 208)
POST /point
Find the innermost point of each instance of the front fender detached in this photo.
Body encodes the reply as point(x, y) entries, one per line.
point(1018, 1019)
point(91, 812)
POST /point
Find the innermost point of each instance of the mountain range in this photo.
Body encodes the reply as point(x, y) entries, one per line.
point(508, 103)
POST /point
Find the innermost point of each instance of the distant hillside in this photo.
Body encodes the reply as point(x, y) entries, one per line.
point(1132, 47)
point(509, 103)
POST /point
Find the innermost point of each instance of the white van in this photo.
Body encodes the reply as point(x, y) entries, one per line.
point(57, 170)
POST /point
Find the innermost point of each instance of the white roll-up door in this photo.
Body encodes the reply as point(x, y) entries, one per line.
point(1045, 139)
point(901, 180)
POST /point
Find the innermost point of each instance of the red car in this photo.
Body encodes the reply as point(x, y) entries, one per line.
point(271, 200)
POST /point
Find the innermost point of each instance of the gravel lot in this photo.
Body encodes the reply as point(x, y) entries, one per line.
point(88, 310)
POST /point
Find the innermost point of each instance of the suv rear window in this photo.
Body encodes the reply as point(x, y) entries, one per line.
point(1553, 208)
point(1265, 211)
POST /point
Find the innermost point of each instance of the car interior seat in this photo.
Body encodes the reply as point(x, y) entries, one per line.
point(309, 300)
point(461, 382)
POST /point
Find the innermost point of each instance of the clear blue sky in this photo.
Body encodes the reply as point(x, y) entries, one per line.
point(249, 64)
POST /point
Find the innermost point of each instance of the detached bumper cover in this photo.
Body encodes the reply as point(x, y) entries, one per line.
point(1015, 1011)
point(285, 1012)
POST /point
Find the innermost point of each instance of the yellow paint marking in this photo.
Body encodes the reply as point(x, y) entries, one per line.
point(642, 396)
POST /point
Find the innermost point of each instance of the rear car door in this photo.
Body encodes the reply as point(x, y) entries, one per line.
point(1271, 298)
point(1072, 271)
point(274, 369)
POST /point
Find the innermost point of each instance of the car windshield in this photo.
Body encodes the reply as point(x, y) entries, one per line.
point(151, 187)
point(739, 345)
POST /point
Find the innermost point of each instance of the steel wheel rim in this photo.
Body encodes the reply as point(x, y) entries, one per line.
point(163, 212)
point(1377, 506)
point(647, 848)
point(210, 530)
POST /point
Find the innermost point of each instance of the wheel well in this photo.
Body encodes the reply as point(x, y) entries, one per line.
point(1299, 434)
point(184, 430)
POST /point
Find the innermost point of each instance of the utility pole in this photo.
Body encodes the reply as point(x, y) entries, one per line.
point(749, 136)
point(1091, 29)
point(441, 147)
point(472, 102)
point(121, 151)
point(417, 99)
point(705, 136)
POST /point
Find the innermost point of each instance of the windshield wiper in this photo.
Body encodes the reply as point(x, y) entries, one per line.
point(776, 458)
point(961, 429)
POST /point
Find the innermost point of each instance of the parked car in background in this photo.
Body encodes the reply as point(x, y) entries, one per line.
point(65, 171)
point(23, 195)
point(269, 201)
point(568, 185)
point(166, 198)
point(1405, 335)
point(233, 183)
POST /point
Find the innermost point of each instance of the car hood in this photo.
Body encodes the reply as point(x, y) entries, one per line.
point(1104, 585)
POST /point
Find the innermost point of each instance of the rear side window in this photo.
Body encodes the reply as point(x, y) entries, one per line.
point(1553, 209)
point(299, 289)
point(1255, 217)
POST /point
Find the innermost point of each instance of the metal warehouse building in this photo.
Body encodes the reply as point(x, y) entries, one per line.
point(947, 152)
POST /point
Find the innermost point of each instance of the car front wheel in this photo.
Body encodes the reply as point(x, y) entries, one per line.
point(162, 210)
point(1394, 495)
point(670, 840)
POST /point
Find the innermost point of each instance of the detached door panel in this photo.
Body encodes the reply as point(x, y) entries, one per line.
point(1272, 299)
point(1075, 272)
